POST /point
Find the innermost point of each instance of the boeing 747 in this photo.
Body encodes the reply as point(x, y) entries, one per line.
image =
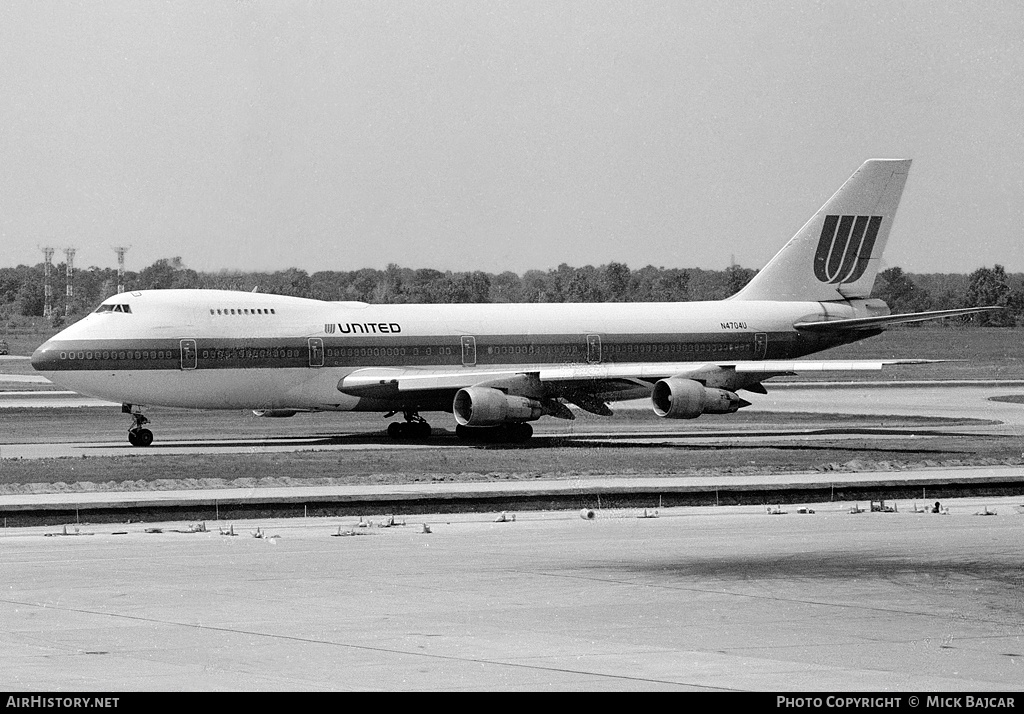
point(496, 367)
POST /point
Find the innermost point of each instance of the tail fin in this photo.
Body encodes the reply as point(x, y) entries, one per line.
point(836, 255)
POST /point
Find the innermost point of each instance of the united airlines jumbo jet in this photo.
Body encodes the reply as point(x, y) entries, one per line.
point(496, 367)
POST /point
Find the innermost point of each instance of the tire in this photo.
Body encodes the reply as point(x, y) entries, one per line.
point(519, 433)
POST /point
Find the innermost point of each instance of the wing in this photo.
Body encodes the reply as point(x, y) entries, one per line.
point(425, 378)
point(590, 386)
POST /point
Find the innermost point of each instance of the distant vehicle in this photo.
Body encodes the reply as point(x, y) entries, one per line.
point(3, 347)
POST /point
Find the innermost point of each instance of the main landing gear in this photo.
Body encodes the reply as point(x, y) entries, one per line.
point(414, 427)
point(138, 435)
point(510, 433)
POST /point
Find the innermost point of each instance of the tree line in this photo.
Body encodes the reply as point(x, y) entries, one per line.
point(22, 293)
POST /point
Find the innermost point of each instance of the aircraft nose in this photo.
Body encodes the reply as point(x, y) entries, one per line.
point(43, 357)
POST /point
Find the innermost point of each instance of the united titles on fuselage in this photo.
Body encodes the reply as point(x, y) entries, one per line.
point(372, 328)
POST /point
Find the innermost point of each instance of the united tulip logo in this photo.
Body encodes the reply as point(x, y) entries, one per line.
point(844, 248)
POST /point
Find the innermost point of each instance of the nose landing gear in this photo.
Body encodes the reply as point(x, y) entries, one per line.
point(138, 435)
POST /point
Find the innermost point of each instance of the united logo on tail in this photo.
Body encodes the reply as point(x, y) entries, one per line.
point(844, 248)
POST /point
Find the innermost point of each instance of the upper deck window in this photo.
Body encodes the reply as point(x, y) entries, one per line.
point(251, 311)
point(114, 308)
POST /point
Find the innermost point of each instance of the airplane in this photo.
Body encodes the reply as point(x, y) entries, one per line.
point(497, 367)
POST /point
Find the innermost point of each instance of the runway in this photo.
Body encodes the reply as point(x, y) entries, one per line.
point(729, 598)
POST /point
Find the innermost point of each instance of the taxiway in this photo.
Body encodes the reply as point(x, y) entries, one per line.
point(695, 599)
point(971, 400)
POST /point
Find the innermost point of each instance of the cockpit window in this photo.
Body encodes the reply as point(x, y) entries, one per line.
point(114, 308)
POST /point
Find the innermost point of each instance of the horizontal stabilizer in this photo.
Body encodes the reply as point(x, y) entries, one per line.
point(864, 323)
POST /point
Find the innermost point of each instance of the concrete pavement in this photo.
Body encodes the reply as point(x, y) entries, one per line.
point(701, 599)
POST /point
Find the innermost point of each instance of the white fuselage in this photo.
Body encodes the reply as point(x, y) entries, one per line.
point(213, 349)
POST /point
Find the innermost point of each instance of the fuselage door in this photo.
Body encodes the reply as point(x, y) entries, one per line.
point(593, 349)
point(316, 352)
point(760, 345)
point(468, 351)
point(188, 354)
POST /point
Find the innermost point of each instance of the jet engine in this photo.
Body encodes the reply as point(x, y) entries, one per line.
point(279, 413)
point(678, 398)
point(486, 406)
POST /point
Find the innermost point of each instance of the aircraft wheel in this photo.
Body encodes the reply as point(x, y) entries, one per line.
point(518, 433)
point(139, 437)
point(420, 430)
point(395, 430)
point(481, 434)
point(514, 432)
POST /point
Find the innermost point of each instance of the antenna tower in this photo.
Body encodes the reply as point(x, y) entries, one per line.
point(120, 250)
point(70, 255)
point(47, 288)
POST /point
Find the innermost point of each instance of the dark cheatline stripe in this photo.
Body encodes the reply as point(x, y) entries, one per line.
point(491, 350)
point(842, 242)
point(828, 232)
point(853, 251)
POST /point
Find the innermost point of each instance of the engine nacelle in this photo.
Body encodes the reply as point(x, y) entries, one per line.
point(276, 413)
point(486, 406)
point(678, 398)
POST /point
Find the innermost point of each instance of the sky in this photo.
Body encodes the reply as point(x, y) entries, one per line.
point(501, 135)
